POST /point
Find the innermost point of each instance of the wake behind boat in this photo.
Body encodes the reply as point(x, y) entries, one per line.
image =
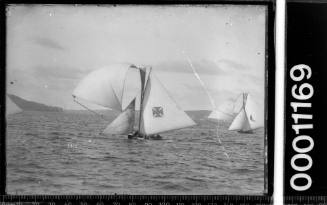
point(158, 110)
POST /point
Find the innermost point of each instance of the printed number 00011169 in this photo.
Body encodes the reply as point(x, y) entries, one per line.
point(303, 94)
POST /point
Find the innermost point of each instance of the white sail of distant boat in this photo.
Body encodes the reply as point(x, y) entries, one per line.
point(247, 119)
point(11, 107)
point(223, 112)
point(220, 115)
point(158, 111)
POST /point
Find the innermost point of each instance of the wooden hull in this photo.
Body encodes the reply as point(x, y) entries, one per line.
point(246, 132)
point(139, 136)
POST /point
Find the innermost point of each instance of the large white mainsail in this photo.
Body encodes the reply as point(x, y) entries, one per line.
point(160, 113)
point(124, 123)
point(104, 86)
point(247, 119)
point(11, 107)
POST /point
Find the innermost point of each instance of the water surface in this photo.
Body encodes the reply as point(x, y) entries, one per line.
point(65, 153)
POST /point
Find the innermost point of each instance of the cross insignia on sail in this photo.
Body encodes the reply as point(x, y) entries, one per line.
point(157, 111)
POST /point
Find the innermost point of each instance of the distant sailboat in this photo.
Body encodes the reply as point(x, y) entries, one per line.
point(11, 107)
point(247, 118)
point(224, 112)
point(158, 110)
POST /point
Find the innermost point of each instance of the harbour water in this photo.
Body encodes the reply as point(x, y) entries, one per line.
point(65, 153)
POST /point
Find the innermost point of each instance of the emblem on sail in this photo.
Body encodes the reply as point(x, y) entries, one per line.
point(158, 111)
point(247, 118)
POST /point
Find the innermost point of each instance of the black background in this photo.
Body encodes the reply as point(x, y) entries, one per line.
point(306, 43)
point(270, 105)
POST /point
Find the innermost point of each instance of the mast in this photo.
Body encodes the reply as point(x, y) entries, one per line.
point(142, 75)
point(245, 95)
point(244, 99)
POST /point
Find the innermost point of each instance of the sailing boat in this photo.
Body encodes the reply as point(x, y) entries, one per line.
point(158, 110)
point(11, 107)
point(247, 118)
point(224, 112)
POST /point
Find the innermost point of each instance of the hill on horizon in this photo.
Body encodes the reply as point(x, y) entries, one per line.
point(27, 105)
point(194, 114)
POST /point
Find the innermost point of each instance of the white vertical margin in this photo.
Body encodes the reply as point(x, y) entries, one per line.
point(279, 104)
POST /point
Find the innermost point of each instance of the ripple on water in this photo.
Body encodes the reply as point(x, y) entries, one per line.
point(186, 161)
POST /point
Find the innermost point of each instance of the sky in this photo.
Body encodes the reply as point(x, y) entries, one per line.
point(51, 48)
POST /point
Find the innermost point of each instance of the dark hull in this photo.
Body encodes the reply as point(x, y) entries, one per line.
point(138, 136)
point(246, 132)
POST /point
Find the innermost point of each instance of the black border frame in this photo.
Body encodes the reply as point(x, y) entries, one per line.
point(304, 22)
point(269, 112)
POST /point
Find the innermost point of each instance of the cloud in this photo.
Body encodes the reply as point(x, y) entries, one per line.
point(149, 35)
point(57, 72)
point(229, 65)
point(48, 43)
point(202, 67)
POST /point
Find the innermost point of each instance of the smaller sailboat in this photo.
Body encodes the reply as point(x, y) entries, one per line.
point(11, 107)
point(158, 110)
point(247, 118)
point(224, 112)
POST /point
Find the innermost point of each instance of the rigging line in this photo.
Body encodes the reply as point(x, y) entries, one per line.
point(98, 114)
